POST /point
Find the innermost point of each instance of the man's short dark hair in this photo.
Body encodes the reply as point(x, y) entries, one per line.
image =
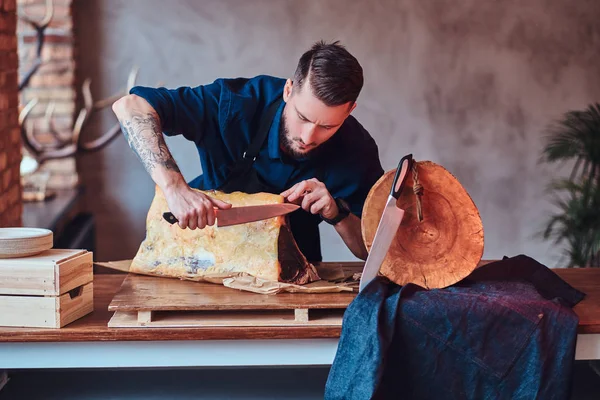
point(334, 74)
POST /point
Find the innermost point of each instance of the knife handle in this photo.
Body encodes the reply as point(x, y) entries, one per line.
point(404, 166)
point(170, 218)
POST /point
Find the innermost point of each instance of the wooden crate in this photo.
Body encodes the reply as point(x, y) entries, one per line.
point(47, 290)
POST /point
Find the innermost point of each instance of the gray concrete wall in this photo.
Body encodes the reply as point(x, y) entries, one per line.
point(470, 85)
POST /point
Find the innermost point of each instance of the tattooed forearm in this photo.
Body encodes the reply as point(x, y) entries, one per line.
point(145, 138)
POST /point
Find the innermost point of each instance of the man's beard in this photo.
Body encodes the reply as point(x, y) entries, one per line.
point(286, 143)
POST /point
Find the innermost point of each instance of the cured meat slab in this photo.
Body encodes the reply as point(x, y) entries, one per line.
point(265, 249)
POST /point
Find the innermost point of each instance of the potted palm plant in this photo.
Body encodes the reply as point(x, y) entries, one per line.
point(576, 224)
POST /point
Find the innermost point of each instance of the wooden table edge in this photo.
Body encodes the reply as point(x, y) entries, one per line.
point(94, 326)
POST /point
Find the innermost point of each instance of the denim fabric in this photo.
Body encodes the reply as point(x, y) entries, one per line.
point(505, 332)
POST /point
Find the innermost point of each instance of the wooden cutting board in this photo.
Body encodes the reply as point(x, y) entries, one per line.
point(146, 301)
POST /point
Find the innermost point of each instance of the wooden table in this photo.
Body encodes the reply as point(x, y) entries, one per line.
point(88, 342)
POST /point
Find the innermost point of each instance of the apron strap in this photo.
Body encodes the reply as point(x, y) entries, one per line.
point(263, 131)
point(238, 173)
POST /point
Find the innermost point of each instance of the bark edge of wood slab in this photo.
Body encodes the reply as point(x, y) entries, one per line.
point(438, 251)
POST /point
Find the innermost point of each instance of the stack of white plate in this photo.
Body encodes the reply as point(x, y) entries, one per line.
point(23, 242)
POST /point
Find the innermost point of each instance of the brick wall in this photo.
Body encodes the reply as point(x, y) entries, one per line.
point(10, 139)
point(53, 81)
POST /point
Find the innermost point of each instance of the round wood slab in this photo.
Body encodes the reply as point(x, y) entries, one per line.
point(23, 242)
point(440, 250)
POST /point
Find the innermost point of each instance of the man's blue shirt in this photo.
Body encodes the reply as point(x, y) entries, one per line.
point(222, 118)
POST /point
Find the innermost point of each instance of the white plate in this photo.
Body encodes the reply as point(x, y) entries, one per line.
point(23, 242)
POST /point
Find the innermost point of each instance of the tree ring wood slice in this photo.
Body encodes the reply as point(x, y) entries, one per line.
point(442, 249)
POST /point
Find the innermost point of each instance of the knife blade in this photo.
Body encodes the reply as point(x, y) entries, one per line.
point(244, 214)
point(388, 224)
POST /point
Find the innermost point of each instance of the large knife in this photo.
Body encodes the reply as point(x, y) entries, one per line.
point(245, 214)
point(388, 224)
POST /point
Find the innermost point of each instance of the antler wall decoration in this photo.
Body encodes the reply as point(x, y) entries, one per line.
point(40, 29)
point(64, 143)
point(62, 148)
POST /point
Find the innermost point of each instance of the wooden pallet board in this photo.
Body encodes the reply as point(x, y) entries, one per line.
point(188, 319)
point(146, 301)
